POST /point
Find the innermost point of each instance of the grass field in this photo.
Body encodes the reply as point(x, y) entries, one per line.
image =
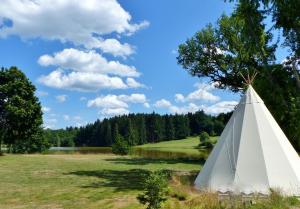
point(187, 147)
point(77, 181)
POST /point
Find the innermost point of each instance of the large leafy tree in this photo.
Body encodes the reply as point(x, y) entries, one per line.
point(20, 112)
point(240, 45)
point(224, 52)
point(285, 19)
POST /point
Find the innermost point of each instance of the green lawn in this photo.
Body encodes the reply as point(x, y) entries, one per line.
point(187, 146)
point(77, 180)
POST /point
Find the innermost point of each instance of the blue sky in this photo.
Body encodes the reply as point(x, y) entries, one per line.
point(95, 59)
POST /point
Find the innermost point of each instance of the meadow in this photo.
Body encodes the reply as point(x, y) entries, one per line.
point(103, 180)
point(77, 180)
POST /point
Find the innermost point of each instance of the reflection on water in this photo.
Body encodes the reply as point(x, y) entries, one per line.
point(80, 150)
point(136, 151)
point(151, 153)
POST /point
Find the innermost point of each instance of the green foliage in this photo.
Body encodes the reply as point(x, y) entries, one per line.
point(205, 141)
point(155, 190)
point(107, 135)
point(36, 143)
point(240, 44)
point(223, 52)
point(20, 113)
point(284, 104)
point(285, 16)
point(61, 137)
point(170, 130)
point(138, 129)
point(131, 135)
point(204, 136)
point(181, 125)
point(142, 130)
point(120, 146)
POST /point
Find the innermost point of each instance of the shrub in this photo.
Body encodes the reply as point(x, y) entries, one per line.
point(205, 142)
point(204, 136)
point(155, 190)
point(120, 146)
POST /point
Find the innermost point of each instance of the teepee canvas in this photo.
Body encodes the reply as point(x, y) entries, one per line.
point(252, 155)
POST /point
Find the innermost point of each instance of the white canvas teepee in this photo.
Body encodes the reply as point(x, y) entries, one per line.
point(252, 155)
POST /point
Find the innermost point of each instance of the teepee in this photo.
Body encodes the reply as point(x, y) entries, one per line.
point(252, 155)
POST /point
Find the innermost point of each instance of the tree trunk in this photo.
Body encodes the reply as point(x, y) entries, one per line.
point(296, 73)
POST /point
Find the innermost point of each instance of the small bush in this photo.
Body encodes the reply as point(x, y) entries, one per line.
point(204, 136)
point(155, 190)
point(205, 142)
point(120, 147)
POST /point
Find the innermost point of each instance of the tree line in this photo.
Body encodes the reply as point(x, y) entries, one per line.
point(137, 129)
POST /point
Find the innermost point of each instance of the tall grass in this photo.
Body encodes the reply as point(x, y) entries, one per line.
point(183, 196)
point(212, 201)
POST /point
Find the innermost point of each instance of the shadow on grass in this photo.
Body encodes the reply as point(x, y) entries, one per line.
point(145, 161)
point(128, 180)
point(121, 180)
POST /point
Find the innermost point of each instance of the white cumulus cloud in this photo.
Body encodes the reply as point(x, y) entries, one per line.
point(202, 93)
point(81, 81)
point(108, 101)
point(132, 83)
point(163, 103)
point(87, 61)
point(179, 98)
point(147, 105)
point(86, 71)
point(111, 105)
point(113, 111)
point(82, 23)
point(221, 107)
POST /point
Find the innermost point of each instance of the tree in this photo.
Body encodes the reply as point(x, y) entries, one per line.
point(285, 18)
point(20, 112)
point(142, 128)
point(240, 45)
point(154, 130)
point(131, 135)
point(170, 131)
point(155, 190)
point(120, 146)
point(204, 136)
point(181, 125)
point(106, 134)
point(205, 142)
point(225, 52)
